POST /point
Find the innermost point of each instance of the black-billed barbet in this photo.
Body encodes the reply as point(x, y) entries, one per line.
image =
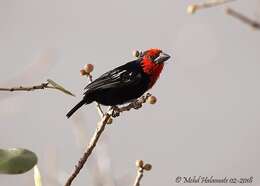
point(126, 82)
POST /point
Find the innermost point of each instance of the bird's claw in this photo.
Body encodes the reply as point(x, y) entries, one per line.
point(115, 111)
point(137, 105)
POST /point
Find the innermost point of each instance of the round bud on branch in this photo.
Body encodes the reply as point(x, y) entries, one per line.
point(88, 68)
point(147, 167)
point(83, 72)
point(139, 163)
point(152, 100)
point(192, 9)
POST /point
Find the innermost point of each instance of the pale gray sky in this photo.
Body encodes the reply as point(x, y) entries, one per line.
point(206, 121)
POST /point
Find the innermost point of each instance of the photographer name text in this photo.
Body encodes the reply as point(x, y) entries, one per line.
point(212, 179)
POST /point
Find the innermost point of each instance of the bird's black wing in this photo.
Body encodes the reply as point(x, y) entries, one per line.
point(125, 75)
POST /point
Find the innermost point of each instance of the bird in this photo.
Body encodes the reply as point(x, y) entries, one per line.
point(125, 83)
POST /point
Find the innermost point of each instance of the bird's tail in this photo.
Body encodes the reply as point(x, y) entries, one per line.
point(74, 109)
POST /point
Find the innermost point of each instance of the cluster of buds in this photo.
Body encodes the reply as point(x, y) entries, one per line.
point(137, 53)
point(87, 69)
point(143, 166)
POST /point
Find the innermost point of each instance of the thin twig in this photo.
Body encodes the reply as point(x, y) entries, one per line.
point(213, 3)
point(139, 176)
point(99, 109)
point(191, 9)
point(100, 128)
point(50, 84)
point(254, 24)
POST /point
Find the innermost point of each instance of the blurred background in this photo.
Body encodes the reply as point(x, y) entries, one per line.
point(206, 120)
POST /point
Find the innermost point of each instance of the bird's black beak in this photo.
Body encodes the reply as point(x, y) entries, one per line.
point(162, 58)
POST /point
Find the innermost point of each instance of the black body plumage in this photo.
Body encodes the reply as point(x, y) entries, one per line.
point(118, 86)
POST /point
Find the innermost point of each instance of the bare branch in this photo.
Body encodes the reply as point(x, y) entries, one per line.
point(191, 9)
point(29, 88)
point(100, 128)
point(254, 24)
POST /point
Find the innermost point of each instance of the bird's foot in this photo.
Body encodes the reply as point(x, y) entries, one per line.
point(115, 111)
point(136, 104)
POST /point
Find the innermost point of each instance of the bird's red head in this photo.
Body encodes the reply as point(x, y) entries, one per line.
point(152, 63)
